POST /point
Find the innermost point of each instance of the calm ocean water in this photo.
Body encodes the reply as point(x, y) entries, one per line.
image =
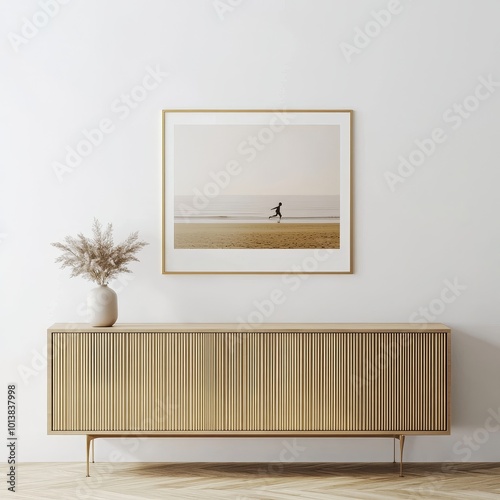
point(225, 208)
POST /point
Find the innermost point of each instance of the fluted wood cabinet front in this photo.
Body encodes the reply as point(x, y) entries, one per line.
point(280, 379)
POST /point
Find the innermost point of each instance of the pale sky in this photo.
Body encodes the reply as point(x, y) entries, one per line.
point(298, 160)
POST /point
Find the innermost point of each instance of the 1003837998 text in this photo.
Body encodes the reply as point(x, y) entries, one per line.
point(11, 438)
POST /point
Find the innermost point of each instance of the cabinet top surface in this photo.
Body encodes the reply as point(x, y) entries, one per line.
point(242, 328)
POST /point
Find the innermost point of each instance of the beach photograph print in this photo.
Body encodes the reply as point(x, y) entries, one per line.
point(254, 182)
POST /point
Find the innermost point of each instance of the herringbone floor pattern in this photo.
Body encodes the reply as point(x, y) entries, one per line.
point(243, 481)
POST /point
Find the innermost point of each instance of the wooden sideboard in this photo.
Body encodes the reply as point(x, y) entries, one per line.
point(315, 379)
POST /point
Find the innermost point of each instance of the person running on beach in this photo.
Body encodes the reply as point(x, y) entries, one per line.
point(278, 211)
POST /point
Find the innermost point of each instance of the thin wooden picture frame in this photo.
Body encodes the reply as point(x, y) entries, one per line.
point(257, 191)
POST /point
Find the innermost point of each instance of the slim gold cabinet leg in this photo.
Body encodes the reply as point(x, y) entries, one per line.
point(394, 450)
point(401, 448)
point(89, 440)
point(93, 444)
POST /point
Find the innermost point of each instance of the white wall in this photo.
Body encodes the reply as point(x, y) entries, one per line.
point(441, 223)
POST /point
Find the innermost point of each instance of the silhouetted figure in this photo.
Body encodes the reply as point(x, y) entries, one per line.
point(278, 211)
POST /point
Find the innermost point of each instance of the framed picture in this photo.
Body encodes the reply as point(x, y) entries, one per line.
point(257, 191)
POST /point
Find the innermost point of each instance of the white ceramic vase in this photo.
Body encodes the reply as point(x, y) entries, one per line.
point(102, 306)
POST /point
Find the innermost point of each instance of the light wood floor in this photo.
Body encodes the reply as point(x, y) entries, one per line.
point(266, 481)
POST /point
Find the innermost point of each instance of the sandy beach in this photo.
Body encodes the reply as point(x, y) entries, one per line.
point(252, 235)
